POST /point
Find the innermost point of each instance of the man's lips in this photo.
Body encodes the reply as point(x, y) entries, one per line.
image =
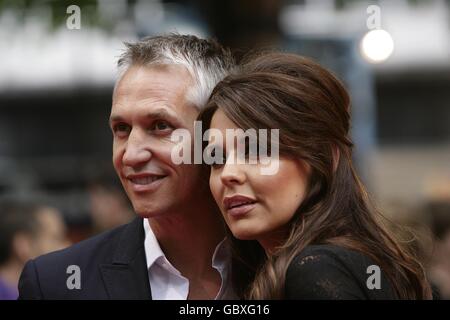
point(145, 182)
point(238, 204)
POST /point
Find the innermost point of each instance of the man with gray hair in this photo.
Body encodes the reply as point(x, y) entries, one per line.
point(175, 248)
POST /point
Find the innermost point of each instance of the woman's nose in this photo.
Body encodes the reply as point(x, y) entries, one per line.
point(232, 172)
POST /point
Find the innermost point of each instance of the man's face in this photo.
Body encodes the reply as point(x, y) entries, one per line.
point(149, 103)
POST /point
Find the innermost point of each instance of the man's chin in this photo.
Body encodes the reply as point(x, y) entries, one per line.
point(146, 212)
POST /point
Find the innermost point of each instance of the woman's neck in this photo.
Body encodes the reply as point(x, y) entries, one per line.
point(272, 241)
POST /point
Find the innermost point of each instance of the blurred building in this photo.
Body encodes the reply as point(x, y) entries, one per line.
point(56, 84)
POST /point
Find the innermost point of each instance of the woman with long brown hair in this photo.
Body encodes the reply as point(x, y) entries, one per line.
point(308, 231)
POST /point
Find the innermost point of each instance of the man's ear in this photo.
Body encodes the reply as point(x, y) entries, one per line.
point(336, 156)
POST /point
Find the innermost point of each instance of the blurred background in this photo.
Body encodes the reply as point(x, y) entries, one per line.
point(57, 73)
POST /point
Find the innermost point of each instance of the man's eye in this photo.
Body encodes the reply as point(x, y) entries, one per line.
point(121, 128)
point(161, 125)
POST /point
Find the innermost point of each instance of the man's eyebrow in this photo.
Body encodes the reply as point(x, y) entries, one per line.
point(115, 118)
point(160, 113)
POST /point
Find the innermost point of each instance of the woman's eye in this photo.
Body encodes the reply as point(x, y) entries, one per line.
point(251, 150)
point(217, 162)
point(257, 151)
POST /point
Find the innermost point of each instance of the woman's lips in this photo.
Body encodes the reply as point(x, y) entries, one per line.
point(241, 209)
point(238, 205)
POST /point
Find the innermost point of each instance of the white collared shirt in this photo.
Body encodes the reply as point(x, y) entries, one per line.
point(167, 283)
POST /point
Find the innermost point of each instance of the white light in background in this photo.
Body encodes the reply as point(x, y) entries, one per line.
point(377, 46)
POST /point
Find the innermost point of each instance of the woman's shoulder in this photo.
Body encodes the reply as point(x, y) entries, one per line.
point(335, 272)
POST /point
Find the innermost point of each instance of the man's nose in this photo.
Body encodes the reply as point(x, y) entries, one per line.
point(232, 173)
point(136, 152)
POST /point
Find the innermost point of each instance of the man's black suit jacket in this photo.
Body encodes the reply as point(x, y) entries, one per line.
point(112, 266)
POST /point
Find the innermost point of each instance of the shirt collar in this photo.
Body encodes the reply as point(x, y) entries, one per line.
point(221, 261)
point(153, 250)
point(154, 253)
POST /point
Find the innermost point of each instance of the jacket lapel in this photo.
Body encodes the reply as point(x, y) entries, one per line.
point(127, 276)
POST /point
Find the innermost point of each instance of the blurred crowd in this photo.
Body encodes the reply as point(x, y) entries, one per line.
point(31, 226)
point(425, 229)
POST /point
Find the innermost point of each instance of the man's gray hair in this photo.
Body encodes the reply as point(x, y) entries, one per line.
point(206, 60)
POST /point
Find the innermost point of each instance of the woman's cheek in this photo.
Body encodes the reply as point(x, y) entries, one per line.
point(215, 186)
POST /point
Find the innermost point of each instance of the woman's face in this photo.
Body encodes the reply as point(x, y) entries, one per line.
point(256, 206)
